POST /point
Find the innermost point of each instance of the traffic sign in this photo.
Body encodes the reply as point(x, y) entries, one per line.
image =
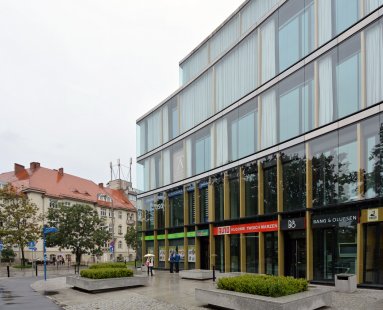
point(1, 246)
point(31, 245)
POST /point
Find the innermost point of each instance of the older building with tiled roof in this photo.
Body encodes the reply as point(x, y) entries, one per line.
point(47, 187)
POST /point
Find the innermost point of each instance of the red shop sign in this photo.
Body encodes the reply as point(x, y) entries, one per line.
point(246, 228)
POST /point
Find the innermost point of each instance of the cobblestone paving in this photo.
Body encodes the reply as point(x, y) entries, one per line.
point(169, 292)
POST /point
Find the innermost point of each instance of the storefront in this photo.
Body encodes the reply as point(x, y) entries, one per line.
point(334, 244)
point(250, 234)
point(372, 220)
point(294, 246)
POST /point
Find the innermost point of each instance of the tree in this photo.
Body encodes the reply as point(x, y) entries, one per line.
point(7, 254)
point(19, 219)
point(80, 229)
point(131, 237)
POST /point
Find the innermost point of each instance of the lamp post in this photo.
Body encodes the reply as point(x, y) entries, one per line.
point(46, 230)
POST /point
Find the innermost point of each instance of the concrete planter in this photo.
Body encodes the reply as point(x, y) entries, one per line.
point(105, 284)
point(314, 298)
point(197, 274)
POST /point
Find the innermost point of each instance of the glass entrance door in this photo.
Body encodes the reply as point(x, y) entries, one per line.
point(373, 254)
point(295, 254)
point(205, 261)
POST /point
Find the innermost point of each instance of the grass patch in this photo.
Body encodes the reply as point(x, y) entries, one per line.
point(264, 285)
point(106, 273)
point(107, 265)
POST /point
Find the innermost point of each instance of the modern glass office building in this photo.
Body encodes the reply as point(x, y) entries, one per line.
point(269, 157)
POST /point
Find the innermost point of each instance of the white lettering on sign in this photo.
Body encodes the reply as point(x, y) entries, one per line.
point(224, 230)
point(291, 224)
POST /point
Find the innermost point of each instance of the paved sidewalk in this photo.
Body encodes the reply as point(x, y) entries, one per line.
point(168, 292)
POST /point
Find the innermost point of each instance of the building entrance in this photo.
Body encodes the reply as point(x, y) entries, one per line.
point(373, 253)
point(205, 258)
point(295, 254)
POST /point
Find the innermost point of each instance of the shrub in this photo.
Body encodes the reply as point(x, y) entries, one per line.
point(106, 273)
point(264, 285)
point(107, 265)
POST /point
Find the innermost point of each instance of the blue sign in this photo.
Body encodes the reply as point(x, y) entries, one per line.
point(1, 246)
point(48, 230)
point(31, 245)
point(111, 249)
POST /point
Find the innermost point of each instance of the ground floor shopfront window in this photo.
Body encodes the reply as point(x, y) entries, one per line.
point(373, 253)
point(252, 250)
point(334, 245)
point(271, 253)
point(220, 253)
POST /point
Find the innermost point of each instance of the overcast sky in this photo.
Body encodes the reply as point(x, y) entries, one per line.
point(76, 74)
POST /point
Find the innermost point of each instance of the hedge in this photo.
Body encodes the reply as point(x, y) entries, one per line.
point(107, 265)
point(106, 273)
point(264, 285)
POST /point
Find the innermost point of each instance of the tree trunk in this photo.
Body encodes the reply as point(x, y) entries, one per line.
point(22, 256)
point(78, 258)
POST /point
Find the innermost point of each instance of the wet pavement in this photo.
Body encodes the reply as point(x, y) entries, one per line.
point(17, 294)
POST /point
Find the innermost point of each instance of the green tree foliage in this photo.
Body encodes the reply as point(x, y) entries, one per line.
point(80, 229)
point(7, 254)
point(131, 237)
point(19, 219)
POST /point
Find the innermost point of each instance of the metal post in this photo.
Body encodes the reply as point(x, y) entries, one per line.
point(135, 263)
point(36, 268)
point(8, 271)
point(45, 255)
point(213, 273)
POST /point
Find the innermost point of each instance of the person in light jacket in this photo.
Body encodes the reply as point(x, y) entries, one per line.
point(149, 264)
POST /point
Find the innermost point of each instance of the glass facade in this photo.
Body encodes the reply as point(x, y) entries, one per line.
point(294, 137)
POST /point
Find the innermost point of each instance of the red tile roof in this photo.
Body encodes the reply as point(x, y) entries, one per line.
point(60, 185)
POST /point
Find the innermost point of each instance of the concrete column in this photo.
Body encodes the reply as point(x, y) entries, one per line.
point(227, 252)
point(226, 197)
point(186, 207)
point(359, 253)
point(167, 265)
point(309, 201)
point(242, 200)
point(186, 242)
point(363, 69)
point(261, 249)
point(281, 245)
point(316, 24)
point(197, 205)
point(143, 246)
point(211, 193)
point(212, 253)
point(155, 250)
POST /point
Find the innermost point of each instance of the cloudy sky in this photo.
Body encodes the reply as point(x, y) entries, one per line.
point(76, 74)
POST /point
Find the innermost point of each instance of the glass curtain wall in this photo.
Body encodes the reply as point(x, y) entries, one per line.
point(204, 201)
point(234, 193)
point(160, 207)
point(218, 197)
point(250, 174)
point(269, 165)
point(220, 253)
point(176, 208)
point(235, 253)
point(294, 178)
point(191, 206)
point(271, 253)
point(252, 250)
point(149, 212)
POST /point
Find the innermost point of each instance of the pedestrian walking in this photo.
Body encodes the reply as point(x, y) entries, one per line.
point(177, 258)
point(171, 260)
point(149, 265)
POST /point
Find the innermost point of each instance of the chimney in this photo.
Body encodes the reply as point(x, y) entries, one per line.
point(19, 168)
point(101, 185)
point(61, 171)
point(34, 165)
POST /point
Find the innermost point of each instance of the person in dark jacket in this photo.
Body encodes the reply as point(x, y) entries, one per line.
point(177, 258)
point(171, 260)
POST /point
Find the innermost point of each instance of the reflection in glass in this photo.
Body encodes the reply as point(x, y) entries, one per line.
point(176, 209)
point(294, 178)
point(234, 193)
point(252, 250)
point(220, 253)
point(250, 174)
point(218, 197)
point(204, 202)
point(269, 165)
point(324, 152)
point(235, 253)
point(191, 206)
point(271, 253)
